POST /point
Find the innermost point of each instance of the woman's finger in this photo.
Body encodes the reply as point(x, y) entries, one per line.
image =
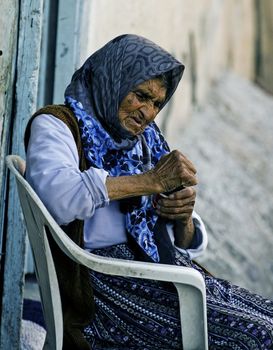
point(176, 210)
point(188, 163)
point(184, 193)
point(183, 217)
point(178, 199)
point(177, 203)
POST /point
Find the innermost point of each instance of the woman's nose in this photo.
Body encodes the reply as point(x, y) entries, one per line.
point(149, 111)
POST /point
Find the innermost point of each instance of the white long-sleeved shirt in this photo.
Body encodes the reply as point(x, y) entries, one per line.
point(52, 169)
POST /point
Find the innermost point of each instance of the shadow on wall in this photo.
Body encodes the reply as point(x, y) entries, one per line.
point(264, 44)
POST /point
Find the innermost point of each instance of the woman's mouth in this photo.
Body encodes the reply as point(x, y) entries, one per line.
point(137, 120)
point(135, 124)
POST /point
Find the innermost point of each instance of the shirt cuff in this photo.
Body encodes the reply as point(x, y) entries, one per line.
point(95, 180)
point(200, 240)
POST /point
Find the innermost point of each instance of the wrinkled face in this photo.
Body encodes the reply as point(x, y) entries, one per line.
point(140, 107)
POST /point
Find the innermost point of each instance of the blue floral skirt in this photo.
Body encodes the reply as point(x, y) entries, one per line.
point(137, 314)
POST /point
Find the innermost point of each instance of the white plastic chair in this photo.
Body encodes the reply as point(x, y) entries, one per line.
point(188, 282)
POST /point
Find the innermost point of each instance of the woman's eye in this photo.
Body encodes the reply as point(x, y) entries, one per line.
point(144, 98)
point(158, 105)
point(140, 96)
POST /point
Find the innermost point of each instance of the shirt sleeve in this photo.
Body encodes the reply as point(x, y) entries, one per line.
point(200, 240)
point(52, 169)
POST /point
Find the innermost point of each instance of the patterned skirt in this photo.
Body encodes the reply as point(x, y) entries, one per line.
point(137, 314)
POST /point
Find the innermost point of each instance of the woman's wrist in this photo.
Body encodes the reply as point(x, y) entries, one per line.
point(134, 185)
point(183, 233)
point(154, 181)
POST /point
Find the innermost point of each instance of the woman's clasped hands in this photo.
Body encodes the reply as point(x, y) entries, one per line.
point(176, 171)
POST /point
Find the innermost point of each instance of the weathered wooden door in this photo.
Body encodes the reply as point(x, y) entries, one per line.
point(22, 38)
point(38, 45)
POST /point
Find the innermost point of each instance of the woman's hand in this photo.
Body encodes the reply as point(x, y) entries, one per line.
point(174, 170)
point(179, 207)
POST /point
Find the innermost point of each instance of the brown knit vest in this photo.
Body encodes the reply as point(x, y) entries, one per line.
point(74, 282)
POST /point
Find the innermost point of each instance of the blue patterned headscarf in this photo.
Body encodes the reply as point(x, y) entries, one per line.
point(95, 94)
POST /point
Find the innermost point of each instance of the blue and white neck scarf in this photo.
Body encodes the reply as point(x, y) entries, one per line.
point(94, 95)
point(102, 153)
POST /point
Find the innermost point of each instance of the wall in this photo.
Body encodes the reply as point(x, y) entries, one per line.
point(209, 36)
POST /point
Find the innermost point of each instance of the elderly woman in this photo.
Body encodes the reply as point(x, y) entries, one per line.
point(106, 174)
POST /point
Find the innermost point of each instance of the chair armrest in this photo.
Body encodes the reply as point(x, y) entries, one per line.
point(120, 267)
point(189, 283)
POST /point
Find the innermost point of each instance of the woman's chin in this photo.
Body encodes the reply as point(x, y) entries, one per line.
point(134, 131)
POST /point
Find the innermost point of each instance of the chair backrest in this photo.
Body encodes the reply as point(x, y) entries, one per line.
point(189, 282)
point(36, 222)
